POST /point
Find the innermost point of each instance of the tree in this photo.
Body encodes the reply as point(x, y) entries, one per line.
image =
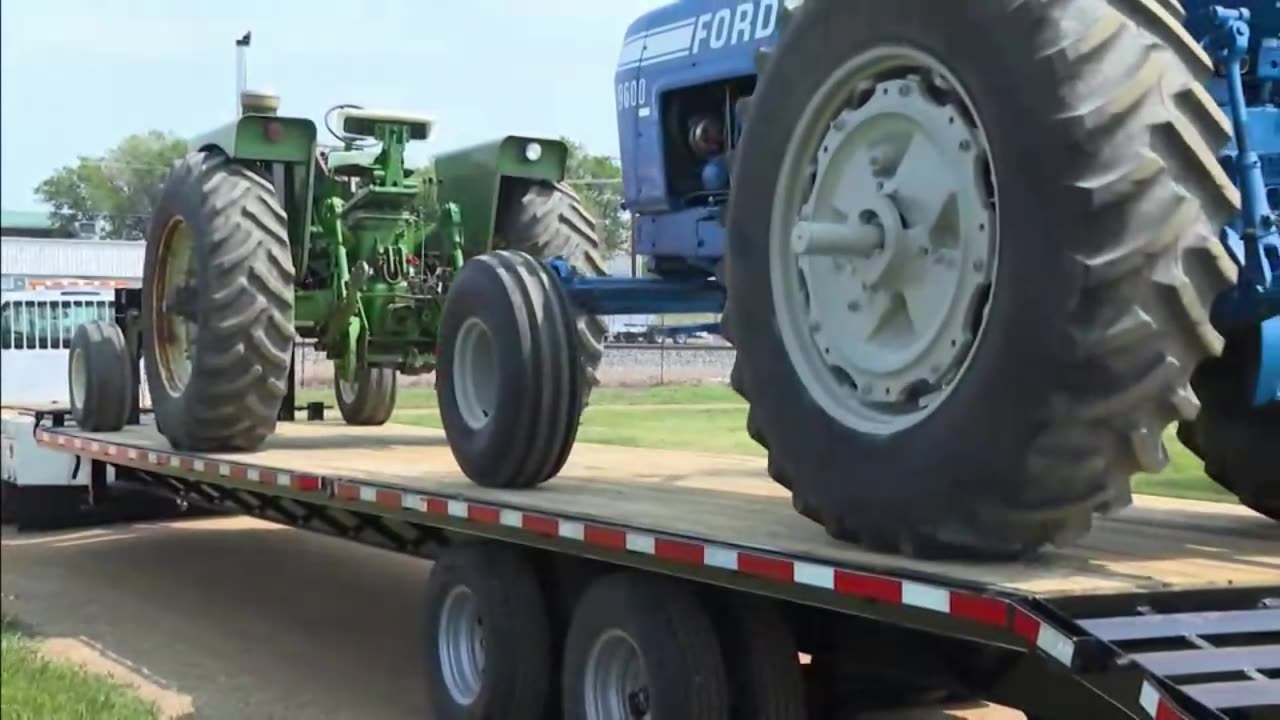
point(120, 188)
point(598, 180)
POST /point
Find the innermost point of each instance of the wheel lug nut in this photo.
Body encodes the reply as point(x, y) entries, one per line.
point(965, 145)
point(979, 265)
point(855, 306)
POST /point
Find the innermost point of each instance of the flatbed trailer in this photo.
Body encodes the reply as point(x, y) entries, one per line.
point(1171, 609)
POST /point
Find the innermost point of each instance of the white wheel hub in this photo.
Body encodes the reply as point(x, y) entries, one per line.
point(884, 240)
point(79, 377)
point(475, 373)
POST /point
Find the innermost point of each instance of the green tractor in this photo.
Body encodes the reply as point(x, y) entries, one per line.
point(262, 237)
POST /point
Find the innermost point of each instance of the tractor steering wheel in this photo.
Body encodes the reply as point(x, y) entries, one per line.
point(358, 143)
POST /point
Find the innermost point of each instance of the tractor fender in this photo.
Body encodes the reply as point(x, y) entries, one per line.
point(472, 179)
point(264, 138)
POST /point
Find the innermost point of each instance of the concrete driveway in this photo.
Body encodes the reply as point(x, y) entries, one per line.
point(252, 620)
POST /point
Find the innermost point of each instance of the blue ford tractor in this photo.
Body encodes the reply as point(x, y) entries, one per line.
point(975, 256)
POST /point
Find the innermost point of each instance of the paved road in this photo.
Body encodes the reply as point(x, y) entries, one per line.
point(282, 628)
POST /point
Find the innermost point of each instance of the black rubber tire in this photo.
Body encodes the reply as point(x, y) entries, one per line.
point(108, 377)
point(675, 638)
point(374, 400)
point(762, 661)
point(533, 423)
point(546, 220)
point(243, 304)
point(516, 681)
point(1110, 204)
point(1238, 442)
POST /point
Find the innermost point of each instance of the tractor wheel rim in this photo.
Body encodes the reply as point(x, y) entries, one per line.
point(79, 377)
point(461, 645)
point(616, 684)
point(884, 240)
point(348, 390)
point(174, 334)
point(475, 373)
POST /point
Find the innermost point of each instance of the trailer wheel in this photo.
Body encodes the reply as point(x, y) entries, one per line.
point(1236, 440)
point(548, 220)
point(968, 281)
point(217, 306)
point(761, 660)
point(509, 379)
point(370, 399)
point(642, 647)
point(488, 641)
point(100, 377)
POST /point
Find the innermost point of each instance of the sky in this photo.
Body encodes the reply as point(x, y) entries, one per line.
point(77, 76)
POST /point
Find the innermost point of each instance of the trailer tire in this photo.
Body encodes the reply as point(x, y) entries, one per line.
point(100, 377)
point(495, 588)
point(548, 220)
point(370, 400)
point(226, 219)
point(651, 625)
point(761, 659)
point(509, 381)
point(1107, 259)
point(1236, 440)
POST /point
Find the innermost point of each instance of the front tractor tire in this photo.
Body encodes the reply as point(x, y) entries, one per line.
point(1235, 439)
point(510, 381)
point(217, 306)
point(969, 281)
point(100, 376)
point(368, 400)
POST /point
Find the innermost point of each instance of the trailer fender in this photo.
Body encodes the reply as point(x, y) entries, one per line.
point(472, 178)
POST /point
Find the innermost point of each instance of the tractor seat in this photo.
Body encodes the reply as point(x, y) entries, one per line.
point(360, 122)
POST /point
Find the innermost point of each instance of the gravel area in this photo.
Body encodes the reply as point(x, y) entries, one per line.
point(621, 367)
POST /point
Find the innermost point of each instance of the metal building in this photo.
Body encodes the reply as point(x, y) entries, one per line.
point(50, 263)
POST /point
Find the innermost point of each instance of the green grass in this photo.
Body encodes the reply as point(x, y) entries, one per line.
point(34, 688)
point(715, 422)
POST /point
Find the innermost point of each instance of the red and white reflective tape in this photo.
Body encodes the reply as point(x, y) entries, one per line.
point(150, 459)
point(1155, 703)
point(991, 611)
point(986, 610)
point(1044, 636)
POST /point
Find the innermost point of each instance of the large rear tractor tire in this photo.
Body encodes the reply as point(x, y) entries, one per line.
point(369, 399)
point(100, 377)
point(1237, 441)
point(217, 304)
point(548, 220)
point(509, 380)
point(969, 281)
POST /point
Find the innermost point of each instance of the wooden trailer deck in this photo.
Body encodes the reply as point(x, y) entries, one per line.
point(1158, 544)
